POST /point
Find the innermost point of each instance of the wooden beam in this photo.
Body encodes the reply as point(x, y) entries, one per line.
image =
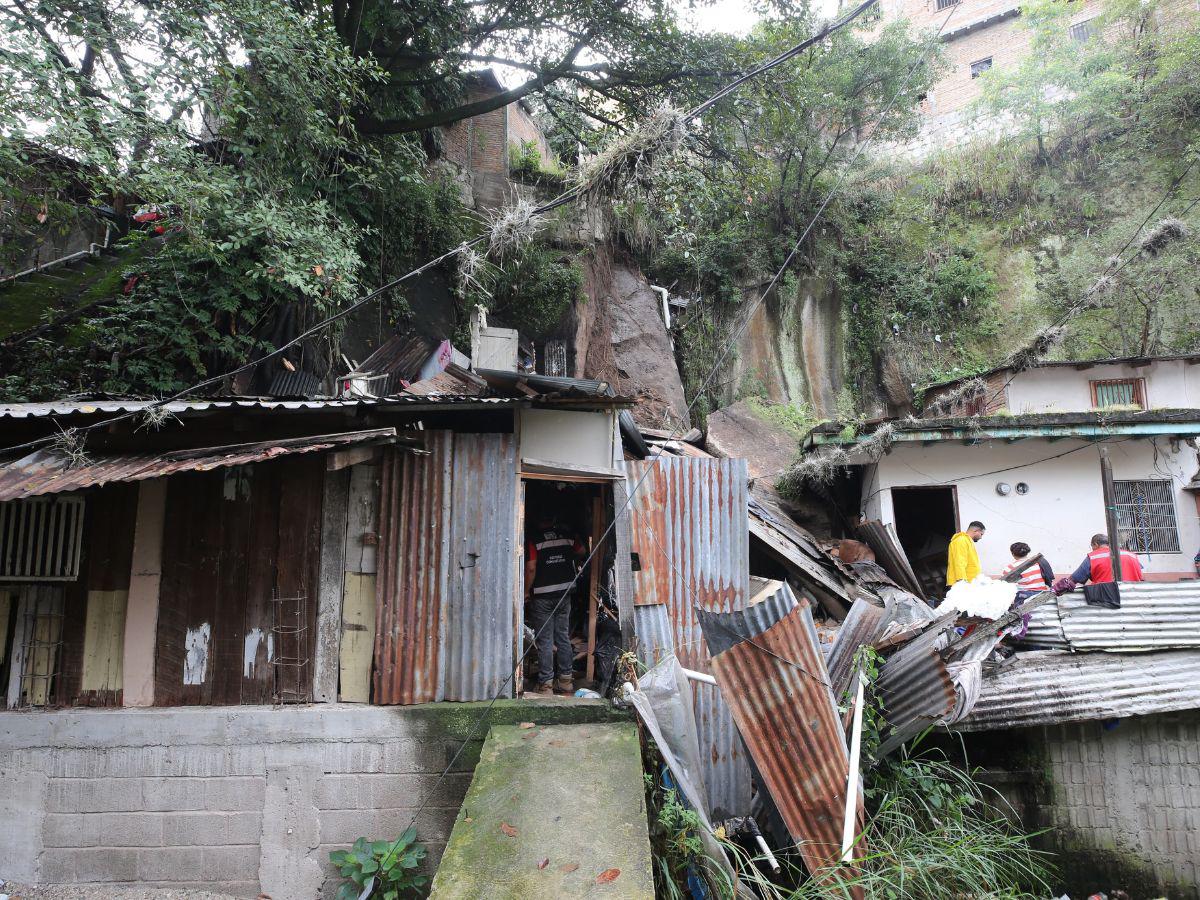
point(331, 581)
point(594, 583)
point(352, 456)
point(1110, 513)
point(524, 388)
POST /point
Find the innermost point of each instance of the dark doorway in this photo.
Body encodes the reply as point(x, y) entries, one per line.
point(926, 518)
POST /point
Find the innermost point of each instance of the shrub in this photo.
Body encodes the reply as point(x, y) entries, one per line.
point(381, 869)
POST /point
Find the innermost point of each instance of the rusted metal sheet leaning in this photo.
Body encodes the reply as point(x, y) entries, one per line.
point(769, 667)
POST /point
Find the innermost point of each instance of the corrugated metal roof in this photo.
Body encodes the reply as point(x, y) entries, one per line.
point(178, 407)
point(882, 539)
point(1048, 686)
point(1152, 616)
point(769, 666)
point(688, 525)
point(914, 686)
point(51, 472)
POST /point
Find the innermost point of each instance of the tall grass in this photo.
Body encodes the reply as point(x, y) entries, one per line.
point(931, 834)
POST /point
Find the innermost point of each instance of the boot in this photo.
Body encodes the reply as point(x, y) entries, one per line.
point(546, 687)
point(565, 684)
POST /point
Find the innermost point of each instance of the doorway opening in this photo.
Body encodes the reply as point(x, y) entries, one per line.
point(926, 518)
point(563, 521)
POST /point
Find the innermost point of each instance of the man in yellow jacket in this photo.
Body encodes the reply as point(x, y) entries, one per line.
point(963, 562)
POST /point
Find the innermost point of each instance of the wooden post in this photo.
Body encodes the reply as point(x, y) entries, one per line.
point(1110, 513)
point(594, 583)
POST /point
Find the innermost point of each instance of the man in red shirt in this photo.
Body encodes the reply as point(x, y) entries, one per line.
point(1097, 565)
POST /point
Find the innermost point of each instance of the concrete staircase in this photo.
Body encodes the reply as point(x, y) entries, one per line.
point(552, 811)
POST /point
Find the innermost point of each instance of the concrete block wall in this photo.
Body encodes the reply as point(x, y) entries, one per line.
point(1130, 793)
point(238, 799)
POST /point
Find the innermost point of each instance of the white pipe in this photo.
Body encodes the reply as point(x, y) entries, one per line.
point(767, 854)
point(700, 676)
point(852, 779)
point(665, 295)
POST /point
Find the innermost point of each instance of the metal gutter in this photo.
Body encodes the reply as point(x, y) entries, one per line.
point(984, 431)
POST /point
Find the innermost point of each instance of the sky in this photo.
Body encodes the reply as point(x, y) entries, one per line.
point(735, 16)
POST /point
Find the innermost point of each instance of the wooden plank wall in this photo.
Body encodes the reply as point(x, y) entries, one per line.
point(233, 541)
point(94, 604)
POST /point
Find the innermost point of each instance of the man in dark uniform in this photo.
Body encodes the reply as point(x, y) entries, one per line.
point(551, 553)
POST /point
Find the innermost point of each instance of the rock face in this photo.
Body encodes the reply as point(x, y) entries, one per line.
point(790, 350)
point(620, 338)
point(737, 432)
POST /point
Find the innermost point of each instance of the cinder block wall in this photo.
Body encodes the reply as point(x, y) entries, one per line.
point(238, 799)
point(1130, 797)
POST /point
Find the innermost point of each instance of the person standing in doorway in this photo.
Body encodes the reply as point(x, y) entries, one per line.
point(550, 568)
point(962, 563)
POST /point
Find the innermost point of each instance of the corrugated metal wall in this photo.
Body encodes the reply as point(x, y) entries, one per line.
point(689, 527)
point(446, 582)
point(414, 533)
point(480, 630)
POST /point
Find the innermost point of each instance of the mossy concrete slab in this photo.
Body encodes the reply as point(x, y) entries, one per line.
point(551, 812)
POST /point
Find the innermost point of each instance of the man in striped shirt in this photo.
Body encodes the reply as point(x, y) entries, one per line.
point(550, 567)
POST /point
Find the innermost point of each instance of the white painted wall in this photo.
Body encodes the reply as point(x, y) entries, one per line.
point(1064, 506)
point(582, 438)
point(1170, 384)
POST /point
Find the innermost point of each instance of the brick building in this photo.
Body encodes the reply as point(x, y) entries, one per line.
point(480, 147)
point(978, 35)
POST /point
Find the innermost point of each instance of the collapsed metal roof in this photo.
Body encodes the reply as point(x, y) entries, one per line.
point(1049, 686)
point(53, 472)
point(1152, 616)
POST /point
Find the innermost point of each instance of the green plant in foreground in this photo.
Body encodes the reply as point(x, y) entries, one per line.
point(384, 869)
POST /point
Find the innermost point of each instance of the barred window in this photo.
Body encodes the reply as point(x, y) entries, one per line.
point(980, 66)
point(1146, 516)
point(946, 4)
point(1119, 392)
point(41, 539)
point(1082, 32)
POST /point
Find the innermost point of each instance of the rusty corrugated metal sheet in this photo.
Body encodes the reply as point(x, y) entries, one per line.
point(183, 407)
point(51, 472)
point(1152, 616)
point(819, 572)
point(480, 627)
point(1049, 686)
point(688, 525)
point(446, 584)
point(412, 581)
point(866, 620)
point(773, 677)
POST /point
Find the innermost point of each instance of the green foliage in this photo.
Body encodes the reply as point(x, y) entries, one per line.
point(525, 163)
point(534, 291)
point(387, 870)
point(795, 420)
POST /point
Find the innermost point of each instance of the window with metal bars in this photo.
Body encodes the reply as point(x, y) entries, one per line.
point(41, 539)
point(1082, 32)
point(1119, 392)
point(1146, 516)
point(980, 66)
point(946, 4)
